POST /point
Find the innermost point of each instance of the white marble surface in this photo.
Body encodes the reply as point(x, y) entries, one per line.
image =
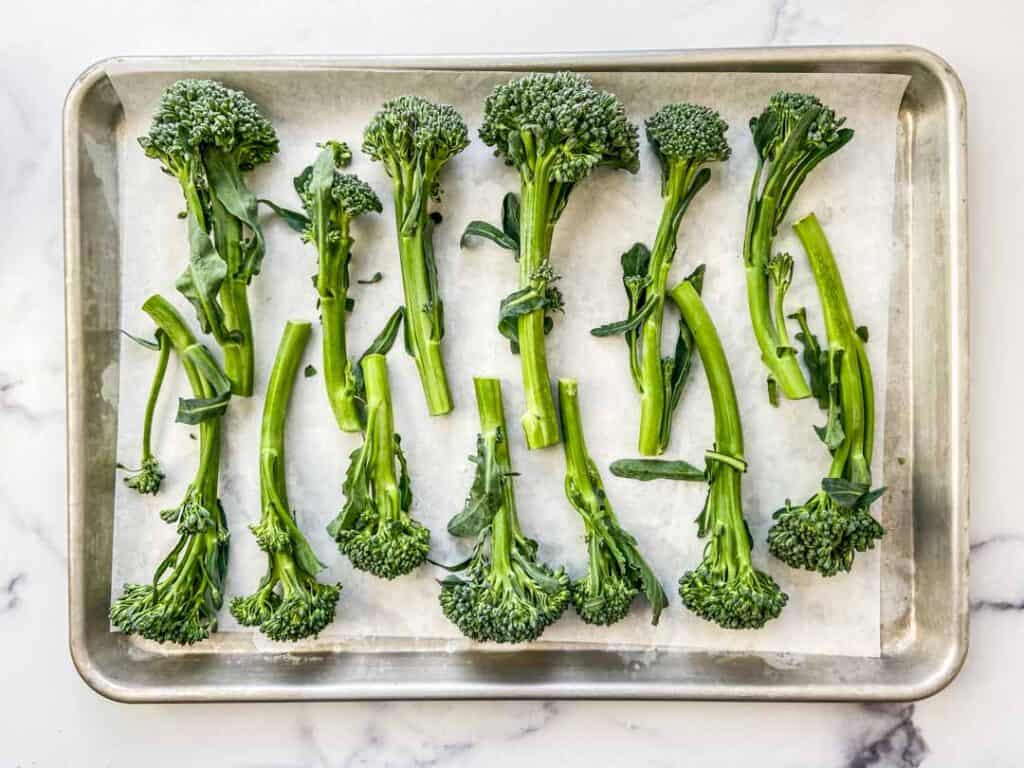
point(49, 718)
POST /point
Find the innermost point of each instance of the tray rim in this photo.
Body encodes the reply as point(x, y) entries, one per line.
point(832, 58)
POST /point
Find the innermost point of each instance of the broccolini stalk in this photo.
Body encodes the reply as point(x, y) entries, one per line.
point(206, 136)
point(792, 135)
point(505, 594)
point(414, 139)
point(374, 528)
point(555, 129)
point(616, 570)
point(725, 588)
point(685, 137)
point(150, 474)
point(304, 606)
point(825, 533)
point(332, 200)
point(181, 603)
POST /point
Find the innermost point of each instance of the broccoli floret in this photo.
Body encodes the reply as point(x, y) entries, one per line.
point(502, 594)
point(685, 138)
point(304, 606)
point(792, 135)
point(825, 533)
point(374, 528)
point(180, 604)
point(331, 200)
point(555, 129)
point(207, 135)
point(149, 477)
point(725, 587)
point(616, 570)
point(414, 138)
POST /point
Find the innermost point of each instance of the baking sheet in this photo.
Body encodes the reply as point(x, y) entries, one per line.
point(605, 215)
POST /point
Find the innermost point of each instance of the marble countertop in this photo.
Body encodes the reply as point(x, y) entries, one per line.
point(51, 718)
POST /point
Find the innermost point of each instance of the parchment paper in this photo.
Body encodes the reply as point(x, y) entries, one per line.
point(852, 193)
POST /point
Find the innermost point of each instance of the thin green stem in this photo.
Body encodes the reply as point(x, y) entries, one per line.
point(492, 426)
point(154, 395)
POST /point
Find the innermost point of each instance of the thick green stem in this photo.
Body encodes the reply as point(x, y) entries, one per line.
point(154, 395)
point(577, 459)
point(419, 300)
point(505, 526)
point(725, 499)
point(776, 351)
point(181, 337)
point(239, 364)
point(338, 380)
point(380, 436)
point(842, 337)
point(539, 420)
point(275, 409)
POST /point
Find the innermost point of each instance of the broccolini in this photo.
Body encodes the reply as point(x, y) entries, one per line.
point(150, 475)
point(686, 138)
point(180, 604)
point(555, 129)
point(414, 139)
point(207, 136)
point(824, 533)
point(616, 570)
point(504, 593)
point(304, 606)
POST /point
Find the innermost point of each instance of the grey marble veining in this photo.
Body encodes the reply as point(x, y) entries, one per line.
point(49, 717)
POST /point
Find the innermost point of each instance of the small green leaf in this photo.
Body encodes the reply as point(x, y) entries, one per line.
point(199, 409)
point(773, 392)
point(523, 302)
point(510, 217)
point(310, 371)
point(871, 497)
point(635, 562)
point(832, 433)
point(376, 278)
point(152, 345)
point(862, 332)
point(814, 358)
point(623, 326)
point(696, 278)
point(635, 261)
point(657, 469)
point(490, 232)
point(297, 221)
point(201, 280)
point(485, 495)
point(843, 492)
point(229, 188)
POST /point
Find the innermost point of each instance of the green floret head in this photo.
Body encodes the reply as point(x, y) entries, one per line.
point(254, 609)
point(389, 549)
point(744, 599)
point(688, 132)
point(602, 604)
point(196, 115)
point(169, 615)
point(270, 535)
point(822, 535)
point(784, 112)
point(561, 120)
point(304, 612)
point(354, 195)
point(148, 478)
point(411, 130)
point(509, 607)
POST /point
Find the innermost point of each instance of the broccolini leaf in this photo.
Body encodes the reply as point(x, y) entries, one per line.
point(523, 302)
point(832, 433)
point(488, 232)
point(375, 278)
point(199, 409)
point(510, 216)
point(148, 344)
point(624, 326)
point(229, 188)
point(814, 357)
point(297, 221)
point(310, 371)
point(202, 278)
point(485, 495)
point(657, 469)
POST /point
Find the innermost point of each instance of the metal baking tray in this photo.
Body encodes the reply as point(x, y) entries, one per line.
point(924, 556)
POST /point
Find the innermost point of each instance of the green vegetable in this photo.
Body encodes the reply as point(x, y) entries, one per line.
point(180, 604)
point(303, 606)
point(374, 528)
point(555, 129)
point(414, 139)
point(331, 200)
point(504, 594)
point(207, 136)
point(792, 135)
point(685, 137)
point(825, 532)
point(725, 588)
point(150, 475)
point(616, 571)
